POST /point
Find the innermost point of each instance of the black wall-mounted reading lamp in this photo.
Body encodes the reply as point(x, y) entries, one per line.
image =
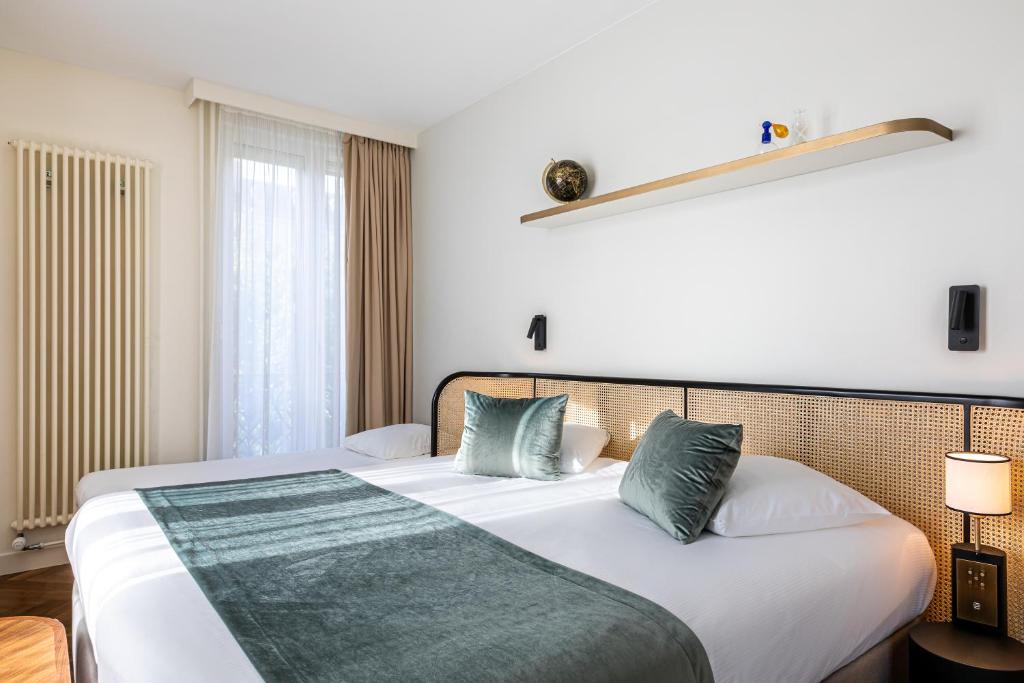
point(964, 317)
point(538, 332)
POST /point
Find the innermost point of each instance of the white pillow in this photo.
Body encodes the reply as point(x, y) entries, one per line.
point(580, 446)
point(769, 495)
point(392, 442)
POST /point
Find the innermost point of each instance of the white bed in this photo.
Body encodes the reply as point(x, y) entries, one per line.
point(789, 607)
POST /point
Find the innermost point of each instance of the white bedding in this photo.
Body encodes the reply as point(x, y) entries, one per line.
point(787, 607)
point(111, 481)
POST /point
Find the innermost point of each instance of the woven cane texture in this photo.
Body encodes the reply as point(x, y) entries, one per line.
point(891, 451)
point(623, 410)
point(1001, 431)
point(451, 406)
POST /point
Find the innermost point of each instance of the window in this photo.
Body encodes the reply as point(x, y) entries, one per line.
point(277, 345)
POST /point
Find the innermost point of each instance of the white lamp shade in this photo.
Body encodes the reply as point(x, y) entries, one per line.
point(978, 483)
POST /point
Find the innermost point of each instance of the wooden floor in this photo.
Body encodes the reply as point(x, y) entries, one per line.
point(40, 593)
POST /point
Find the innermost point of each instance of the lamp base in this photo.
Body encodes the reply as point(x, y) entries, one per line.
point(979, 588)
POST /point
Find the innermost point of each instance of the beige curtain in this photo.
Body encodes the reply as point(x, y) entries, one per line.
point(378, 283)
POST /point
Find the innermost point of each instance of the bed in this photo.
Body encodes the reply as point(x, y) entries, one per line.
point(788, 607)
point(773, 617)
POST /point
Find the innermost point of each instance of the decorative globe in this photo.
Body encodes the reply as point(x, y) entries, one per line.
point(565, 180)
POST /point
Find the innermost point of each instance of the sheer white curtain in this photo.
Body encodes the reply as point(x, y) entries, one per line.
point(276, 357)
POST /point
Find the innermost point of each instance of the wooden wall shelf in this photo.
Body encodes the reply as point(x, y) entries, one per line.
point(870, 142)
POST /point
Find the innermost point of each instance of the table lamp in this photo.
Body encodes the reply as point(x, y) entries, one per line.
point(978, 484)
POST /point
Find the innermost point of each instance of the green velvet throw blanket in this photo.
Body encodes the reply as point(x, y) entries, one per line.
point(322, 576)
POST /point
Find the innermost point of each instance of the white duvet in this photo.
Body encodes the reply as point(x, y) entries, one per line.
point(787, 608)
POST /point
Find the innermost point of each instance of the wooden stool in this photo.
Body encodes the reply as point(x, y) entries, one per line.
point(33, 650)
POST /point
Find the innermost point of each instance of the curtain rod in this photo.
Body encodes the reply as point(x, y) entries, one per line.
point(198, 89)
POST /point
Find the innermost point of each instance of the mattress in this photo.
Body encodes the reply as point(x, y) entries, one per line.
point(788, 607)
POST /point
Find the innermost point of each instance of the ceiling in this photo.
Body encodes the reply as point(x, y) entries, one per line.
point(407, 63)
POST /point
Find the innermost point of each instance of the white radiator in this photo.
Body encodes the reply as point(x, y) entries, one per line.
point(83, 291)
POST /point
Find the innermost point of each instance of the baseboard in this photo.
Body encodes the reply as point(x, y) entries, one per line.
point(22, 561)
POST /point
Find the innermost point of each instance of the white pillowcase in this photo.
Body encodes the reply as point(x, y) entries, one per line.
point(392, 442)
point(768, 495)
point(581, 445)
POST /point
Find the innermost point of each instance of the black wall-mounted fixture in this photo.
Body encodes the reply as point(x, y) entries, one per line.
point(539, 332)
point(964, 317)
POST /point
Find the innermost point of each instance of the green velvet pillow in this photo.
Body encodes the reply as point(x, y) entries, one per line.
point(512, 437)
point(678, 472)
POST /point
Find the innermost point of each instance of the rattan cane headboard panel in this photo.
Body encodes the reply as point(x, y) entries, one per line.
point(623, 410)
point(1001, 430)
point(891, 451)
point(451, 404)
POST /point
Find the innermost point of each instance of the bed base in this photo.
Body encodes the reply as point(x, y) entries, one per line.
point(886, 662)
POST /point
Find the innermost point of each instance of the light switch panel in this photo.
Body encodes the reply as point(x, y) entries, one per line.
point(977, 594)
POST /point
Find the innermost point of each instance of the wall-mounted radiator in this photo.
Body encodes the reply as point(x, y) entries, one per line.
point(83, 291)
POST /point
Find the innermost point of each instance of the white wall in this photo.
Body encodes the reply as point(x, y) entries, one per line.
point(51, 102)
point(832, 279)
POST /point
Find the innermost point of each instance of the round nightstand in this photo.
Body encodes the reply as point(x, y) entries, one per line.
point(942, 653)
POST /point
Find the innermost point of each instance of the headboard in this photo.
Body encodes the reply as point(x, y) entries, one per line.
point(888, 445)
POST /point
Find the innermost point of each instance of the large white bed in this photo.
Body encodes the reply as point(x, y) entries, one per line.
point(786, 607)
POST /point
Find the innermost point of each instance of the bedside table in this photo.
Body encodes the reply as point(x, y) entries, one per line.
point(33, 650)
point(942, 653)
